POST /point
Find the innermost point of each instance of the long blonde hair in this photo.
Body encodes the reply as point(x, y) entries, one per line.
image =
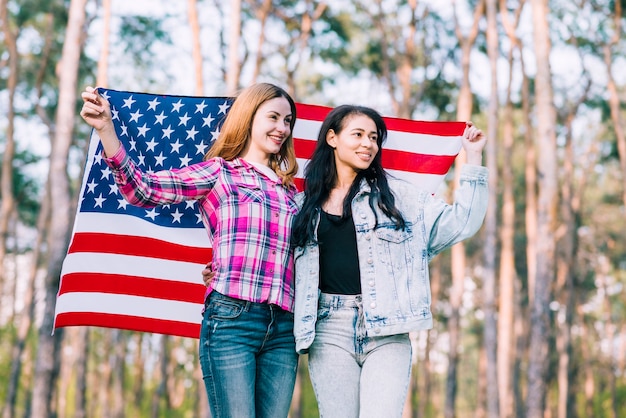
point(236, 130)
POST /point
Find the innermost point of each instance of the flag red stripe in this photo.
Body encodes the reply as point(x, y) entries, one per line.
point(137, 246)
point(318, 113)
point(133, 323)
point(133, 285)
point(416, 163)
point(393, 159)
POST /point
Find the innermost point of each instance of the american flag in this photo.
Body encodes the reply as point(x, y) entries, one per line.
point(140, 269)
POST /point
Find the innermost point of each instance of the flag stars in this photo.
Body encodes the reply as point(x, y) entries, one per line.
point(97, 159)
point(141, 158)
point(215, 134)
point(134, 117)
point(176, 216)
point(199, 218)
point(176, 146)
point(160, 118)
point(200, 107)
point(191, 134)
point(159, 159)
point(99, 201)
point(184, 161)
point(167, 132)
point(133, 144)
point(113, 189)
point(143, 129)
point(151, 145)
point(124, 129)
point(152, 213)
point(208, 120)
point(114, 114)
point(122, 203)
point(190, 204)
point(184, 119)
point(201, 148)
point(128, 102)
point(106, 173)
point(176, 106)
point(91, 186)
point(223, 108)
point(152, 104)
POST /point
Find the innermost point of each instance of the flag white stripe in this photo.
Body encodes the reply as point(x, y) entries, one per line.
point(107, 303)
point(156, 268)
point(396, 140)
point(120, 224)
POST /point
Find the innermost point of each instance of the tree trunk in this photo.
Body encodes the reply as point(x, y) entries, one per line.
point(234, 65)
point(192, 13)
point(262, 14)
point(46, 366)
point(7, 203)
point(546, 214)
point(102, 76)
point(490, 245)
point(464, 113)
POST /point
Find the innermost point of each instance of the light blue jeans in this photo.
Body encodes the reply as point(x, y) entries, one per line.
point(356, 375)
point(248, 358)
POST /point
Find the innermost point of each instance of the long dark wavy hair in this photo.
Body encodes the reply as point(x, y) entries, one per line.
point(320, 177)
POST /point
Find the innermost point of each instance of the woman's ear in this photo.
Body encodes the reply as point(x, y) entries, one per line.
point(331, 138)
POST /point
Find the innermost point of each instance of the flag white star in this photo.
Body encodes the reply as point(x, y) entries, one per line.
point(114, 114)
point(134, 117)
point(208, 120)
point(201, 147)
point(183, 120)
point(113, 189)
point(141, 158)
point(160, 118)
point(124, 130)
point(151, 145)
point(159, 159)
point(167, 132)
point(152, 213)
point(190, 204)
point(215, 134)
point(129, 102)
point(176, 146)
point(191, 134)
point(224, 107)
point(122, 203)
point(176, 106)
point(133, 144)
point(199, 220)
point(200, 107)
point(106, 172)
point(97, 159)
point(184, 161)
point(99, 201)
point(91, 186)
point(176, 215)
point(143, 129)
point(153, 104)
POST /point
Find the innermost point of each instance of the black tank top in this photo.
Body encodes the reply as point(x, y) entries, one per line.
point(339, 260)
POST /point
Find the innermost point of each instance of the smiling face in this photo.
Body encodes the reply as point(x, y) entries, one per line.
point(355, 146)
point(271, 126)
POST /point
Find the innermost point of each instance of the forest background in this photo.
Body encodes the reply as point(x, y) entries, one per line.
point(530, 314)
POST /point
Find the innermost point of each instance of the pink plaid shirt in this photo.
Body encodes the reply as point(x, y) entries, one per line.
point(247, 215)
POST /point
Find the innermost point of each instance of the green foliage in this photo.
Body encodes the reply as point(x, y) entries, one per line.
point(25, 188)
point(140, 36)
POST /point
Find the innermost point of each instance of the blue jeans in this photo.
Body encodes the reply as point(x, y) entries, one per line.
point(248, 358)
point(355, 374)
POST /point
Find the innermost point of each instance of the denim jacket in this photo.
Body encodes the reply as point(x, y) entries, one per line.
point(394, 263)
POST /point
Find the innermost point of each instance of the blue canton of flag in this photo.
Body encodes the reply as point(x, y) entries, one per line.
point(159, 133)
